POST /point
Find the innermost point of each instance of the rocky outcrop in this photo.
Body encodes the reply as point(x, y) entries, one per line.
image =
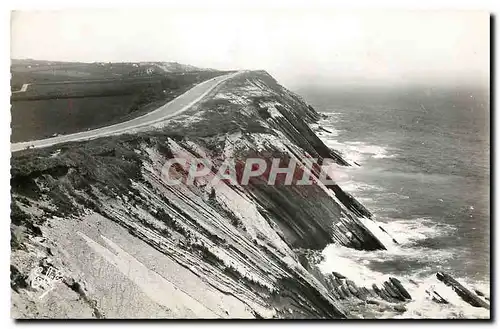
point(238, 239)
point(391, 290)
point(473, 298)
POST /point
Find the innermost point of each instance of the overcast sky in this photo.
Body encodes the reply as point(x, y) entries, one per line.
point(330, 47)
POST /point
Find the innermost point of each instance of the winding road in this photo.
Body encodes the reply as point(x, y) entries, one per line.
point(167, 111)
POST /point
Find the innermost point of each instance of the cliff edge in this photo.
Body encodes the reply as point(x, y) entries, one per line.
point(127, 244)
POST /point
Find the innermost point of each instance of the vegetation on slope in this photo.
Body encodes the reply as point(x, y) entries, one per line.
point(64, 98)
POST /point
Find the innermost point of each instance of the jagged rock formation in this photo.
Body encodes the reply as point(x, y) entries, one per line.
point(103, 214)
point(473, 298)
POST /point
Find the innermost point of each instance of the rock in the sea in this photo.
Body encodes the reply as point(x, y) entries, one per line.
point(382, 293)
point(436, 297)
point(397, 284)
point(346, 291)
point(340, 292)
point(338, 275)
point(364, 292)
point(479, 293)
point(399, 308)
point(463, 292)
point(392, 291)
point(352, 288)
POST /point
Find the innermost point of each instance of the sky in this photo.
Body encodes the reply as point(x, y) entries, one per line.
point(322, 47)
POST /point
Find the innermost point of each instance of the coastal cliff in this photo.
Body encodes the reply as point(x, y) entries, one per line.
point(130, 245)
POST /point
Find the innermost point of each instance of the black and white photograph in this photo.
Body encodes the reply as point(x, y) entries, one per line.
point(277, 163)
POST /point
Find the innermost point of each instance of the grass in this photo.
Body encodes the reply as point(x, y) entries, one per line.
point(42, 118)
point(62, 102)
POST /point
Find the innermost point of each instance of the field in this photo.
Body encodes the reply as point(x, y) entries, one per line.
point(64, 98)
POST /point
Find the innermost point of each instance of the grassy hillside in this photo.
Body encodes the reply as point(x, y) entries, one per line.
point(64, 98)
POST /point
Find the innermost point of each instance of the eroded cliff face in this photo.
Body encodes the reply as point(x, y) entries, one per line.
point(131, 245)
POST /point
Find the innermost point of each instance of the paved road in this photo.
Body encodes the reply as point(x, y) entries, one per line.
point(172, 108)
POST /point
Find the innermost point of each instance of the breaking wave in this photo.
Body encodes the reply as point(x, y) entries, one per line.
point(355, 152)
point(414, 265)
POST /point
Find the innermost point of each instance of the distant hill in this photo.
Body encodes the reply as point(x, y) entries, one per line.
point(36, 71)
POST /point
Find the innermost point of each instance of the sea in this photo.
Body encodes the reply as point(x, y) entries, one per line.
point(421, 165)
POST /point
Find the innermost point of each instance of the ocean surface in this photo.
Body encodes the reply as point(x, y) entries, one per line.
point(425, 175)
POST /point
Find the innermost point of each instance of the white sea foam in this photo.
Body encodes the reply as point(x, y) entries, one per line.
point(352, 186)
point(350, 263)
point(367, 267)
point(354, 264)
point(360, 267)
point(409, 231)
point(422, 305)
point(353, 152)
point(331, 116)
point(359, 151)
